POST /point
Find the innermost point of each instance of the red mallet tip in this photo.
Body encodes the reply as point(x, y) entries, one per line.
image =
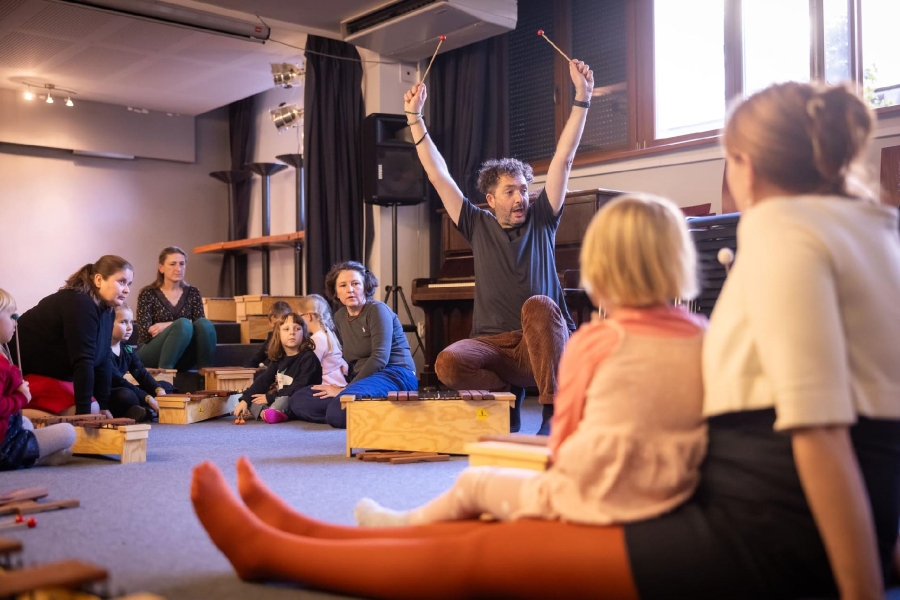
point(19, 518)
point(540, 32)
point(32, 522)
point(443, 38)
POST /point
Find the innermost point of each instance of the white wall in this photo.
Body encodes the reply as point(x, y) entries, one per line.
point(61, 211)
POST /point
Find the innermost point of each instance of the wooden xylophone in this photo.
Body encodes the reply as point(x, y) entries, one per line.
point(183, 409)
point(96, 434)
point(442, 421)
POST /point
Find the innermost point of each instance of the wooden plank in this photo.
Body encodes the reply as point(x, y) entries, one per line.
point(22, 494)
point(403, 460)
point(34, 508)
point(508, 454)
point(230, 379)
point(9, 546)
point(261, 305)
point(220, 309)
point(288, 240)
point(254, 328)
point(69, 574)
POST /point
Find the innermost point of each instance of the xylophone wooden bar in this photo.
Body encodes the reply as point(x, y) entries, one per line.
point(68, 574)
point(411, 421)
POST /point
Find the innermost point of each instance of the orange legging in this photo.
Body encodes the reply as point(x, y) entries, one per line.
point(463, 559)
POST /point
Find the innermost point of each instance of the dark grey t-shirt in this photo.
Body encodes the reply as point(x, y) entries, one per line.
point(511, 265)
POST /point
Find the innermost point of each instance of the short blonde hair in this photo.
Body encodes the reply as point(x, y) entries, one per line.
point(637, 252)
point(122, 308)
point(6, 300)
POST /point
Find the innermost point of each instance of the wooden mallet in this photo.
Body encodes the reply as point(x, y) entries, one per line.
point(441, 41)
point(541, 33)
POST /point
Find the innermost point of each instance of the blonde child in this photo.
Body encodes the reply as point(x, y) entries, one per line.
point(279, 309)
point(126, 399)
point(293, 365)
point(20, 444)
point(628, 435)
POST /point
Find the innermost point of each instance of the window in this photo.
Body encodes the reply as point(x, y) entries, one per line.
point(665, 70)
point(880, 67)
point(688, 67)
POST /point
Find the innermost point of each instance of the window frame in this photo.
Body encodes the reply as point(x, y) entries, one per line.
point(640, 76)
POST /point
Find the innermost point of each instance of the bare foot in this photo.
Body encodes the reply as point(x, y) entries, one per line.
point(235, 531)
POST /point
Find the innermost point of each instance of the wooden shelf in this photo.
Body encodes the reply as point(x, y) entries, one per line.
point(284, 240)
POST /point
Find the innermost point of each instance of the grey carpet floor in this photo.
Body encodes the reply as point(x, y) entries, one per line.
point(136, 520)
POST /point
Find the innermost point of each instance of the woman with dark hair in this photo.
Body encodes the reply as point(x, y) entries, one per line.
point(174, 332)
point(64, 340)
point(374, 346)
point(799, 495)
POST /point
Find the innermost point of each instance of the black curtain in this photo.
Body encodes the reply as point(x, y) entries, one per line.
point(242, 136)
point(333, 117)
point(468, 115)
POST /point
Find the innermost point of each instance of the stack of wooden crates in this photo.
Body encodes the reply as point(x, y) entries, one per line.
point(252, 312)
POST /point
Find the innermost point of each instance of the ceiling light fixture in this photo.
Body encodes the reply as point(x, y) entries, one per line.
point(287, 75)
point(48, 97)
point(286, 117)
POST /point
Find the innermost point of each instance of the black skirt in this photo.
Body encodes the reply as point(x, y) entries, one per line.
point(19, 447)
point(748, 531)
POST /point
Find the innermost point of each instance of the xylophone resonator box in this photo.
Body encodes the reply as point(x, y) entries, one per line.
point(184, 409)
point(426, 422)
point(96, 434)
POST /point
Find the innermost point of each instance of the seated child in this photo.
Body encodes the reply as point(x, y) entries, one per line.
point(126, 399)
point(317, 315)
point(293, 365)
point(628, 434)
point(628, 440)
point(261, 359)
point(21, 445)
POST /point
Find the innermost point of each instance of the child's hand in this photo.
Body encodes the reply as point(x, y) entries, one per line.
point(240, 409)
point(260, 399)
point(26, 391)
point(153, 403)
point(327, 391)
point(160, 391)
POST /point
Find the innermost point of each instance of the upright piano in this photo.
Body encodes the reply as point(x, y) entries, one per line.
point(448, 300)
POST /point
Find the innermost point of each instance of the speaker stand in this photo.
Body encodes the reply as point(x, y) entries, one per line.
point(395, 291)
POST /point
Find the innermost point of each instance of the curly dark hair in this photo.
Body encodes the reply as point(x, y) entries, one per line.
point(491, 171)
point(370, 282)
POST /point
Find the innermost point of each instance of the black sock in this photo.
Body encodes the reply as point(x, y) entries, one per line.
point(515, 413)
point(546, 414)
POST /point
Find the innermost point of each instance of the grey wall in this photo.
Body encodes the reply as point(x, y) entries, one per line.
point(60, 211)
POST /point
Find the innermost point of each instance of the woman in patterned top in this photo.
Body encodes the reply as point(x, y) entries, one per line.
point(174, 331)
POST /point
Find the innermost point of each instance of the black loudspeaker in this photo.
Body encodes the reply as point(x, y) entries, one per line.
point(392, 173)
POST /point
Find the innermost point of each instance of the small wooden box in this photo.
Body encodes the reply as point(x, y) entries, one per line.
point(220, 309)
point(254, 328)
point(260, 305)
point(129, 442)
point(184, 409)
point(508, 454)
point(425, 425)
point(229, 379)
point(158, 374)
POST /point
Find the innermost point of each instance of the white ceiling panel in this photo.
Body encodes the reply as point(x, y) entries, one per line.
point(66, 21)
point(22, 50)
point(144, 35)
point(96, 63)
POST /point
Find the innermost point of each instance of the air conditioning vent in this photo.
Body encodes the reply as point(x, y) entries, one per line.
point(409, 29)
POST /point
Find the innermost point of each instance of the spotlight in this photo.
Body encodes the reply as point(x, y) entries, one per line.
point(49, 99)
point(29, 95)
point(286, 117)
point(286, 75)
point(69, 102)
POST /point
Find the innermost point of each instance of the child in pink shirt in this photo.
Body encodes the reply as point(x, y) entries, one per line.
point(628, 435)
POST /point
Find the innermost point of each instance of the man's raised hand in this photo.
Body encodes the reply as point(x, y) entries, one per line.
point(414, 99)
point(583, 78)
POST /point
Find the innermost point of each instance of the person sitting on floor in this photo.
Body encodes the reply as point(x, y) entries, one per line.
point(293, 365)
point(21, 445)
point(173, 331)
point(374, 346)
point(126, 399)
point(279, 309)
point(799, 494)
point(65, 340)
point(317, 315)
